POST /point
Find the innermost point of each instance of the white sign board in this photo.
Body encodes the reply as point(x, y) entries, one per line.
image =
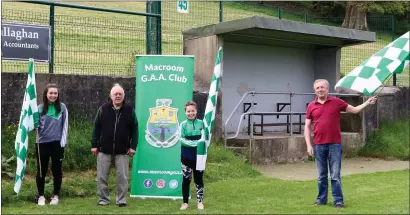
point(182, 6)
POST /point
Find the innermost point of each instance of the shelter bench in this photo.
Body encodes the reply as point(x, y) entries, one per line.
point(287, 123)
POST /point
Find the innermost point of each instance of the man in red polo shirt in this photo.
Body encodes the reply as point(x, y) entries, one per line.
point(324, 114)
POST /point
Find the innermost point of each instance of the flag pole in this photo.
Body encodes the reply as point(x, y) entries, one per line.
point(38, 144)
point(384, 85)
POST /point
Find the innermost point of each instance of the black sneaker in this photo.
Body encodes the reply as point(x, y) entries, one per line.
point(122, 205)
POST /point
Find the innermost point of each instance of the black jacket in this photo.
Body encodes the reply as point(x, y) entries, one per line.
point(115, 131)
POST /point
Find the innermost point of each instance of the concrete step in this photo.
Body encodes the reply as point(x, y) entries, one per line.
point(283, 148)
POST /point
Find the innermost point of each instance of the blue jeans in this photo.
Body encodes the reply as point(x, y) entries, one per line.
point(329, 155)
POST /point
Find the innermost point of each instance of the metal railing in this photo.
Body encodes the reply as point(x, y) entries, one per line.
point(252, 112)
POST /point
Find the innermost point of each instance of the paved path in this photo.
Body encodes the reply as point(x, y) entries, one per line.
point(307, 170)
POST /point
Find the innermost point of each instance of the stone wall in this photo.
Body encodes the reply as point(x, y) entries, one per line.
point(393, 104)
point(83, 94)
point(284, 149)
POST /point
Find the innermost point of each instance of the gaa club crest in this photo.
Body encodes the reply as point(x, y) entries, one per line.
point(162, 126)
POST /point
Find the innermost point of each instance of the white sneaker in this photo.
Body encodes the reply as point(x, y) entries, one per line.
point(54, 201)
point(200, 206)
point(184, 206)
point(41, 201)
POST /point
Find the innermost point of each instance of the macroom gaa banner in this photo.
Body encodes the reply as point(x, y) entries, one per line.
point(163, 85)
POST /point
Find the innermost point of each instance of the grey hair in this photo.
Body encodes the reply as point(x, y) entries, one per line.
point(117, 85)
point(319, 80)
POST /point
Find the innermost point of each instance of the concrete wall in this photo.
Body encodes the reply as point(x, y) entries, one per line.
point(204, 49)
point(82, 94)
point(352, 122)
point(289, 149)
point(249, 67)
point(327, 65)
point(393, 104)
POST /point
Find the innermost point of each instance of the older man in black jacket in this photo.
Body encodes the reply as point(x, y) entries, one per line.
point(115, 135)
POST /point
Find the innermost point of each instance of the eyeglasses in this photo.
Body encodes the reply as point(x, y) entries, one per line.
point(117, 94)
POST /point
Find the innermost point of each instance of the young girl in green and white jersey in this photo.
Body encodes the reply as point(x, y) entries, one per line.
point(191, 134)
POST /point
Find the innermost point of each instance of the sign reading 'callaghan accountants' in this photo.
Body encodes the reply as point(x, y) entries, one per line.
point(23, 41)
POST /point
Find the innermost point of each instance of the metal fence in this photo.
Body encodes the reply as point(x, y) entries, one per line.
point(103, 43)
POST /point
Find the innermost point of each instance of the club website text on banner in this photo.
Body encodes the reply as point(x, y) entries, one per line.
point(163, 85)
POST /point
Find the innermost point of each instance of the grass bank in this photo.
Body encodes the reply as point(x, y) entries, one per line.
point(390, 141)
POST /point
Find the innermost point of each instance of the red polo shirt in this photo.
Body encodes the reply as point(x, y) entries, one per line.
point(326, 119)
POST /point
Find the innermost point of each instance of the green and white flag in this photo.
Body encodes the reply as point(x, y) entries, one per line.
point(371, 74)
point(209, 116)
point(28, 121)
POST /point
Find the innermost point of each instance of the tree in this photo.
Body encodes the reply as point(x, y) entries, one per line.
point(328, 8)
point(355, 16)
point(356, 12)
